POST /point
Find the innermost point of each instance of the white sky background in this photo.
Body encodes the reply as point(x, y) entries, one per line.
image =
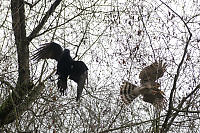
point(108, 57)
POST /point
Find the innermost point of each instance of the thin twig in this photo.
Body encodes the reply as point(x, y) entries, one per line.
point(165, 126)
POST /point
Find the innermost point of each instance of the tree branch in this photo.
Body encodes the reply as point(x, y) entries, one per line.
point(129, 125)
point(31, 5)
point(6, 83)
point(186, 111)
point(37, 29)
point(178, 109)
point(23, 106)
point(165, 126)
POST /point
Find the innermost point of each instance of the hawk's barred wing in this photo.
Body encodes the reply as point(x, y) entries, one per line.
point(81, 84)
point(129, 92)
point(48, 50)
point(152, 72)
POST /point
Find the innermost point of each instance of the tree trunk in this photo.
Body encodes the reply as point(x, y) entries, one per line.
point(18, 24)
point(22, 45)
point(25, 92)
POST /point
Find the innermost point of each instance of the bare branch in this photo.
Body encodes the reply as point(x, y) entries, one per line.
point(6, 83)
point(23, 106)
point(129, 125)
point(31, 5)
point(169, 112)
point(186, 111)
point(44, 20)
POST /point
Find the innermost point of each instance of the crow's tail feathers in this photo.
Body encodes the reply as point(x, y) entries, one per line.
point(62, 85)
point(81, 84)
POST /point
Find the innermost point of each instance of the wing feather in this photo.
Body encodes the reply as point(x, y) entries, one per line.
point(48, 51)
point(156, 97)
point(153, 72)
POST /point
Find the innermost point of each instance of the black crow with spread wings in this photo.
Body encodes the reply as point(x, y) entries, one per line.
point(66, 67)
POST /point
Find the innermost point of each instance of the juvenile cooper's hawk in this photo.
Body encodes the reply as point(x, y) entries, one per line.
point(148, 89)
point(66, 67)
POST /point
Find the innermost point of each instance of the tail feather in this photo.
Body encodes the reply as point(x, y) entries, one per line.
point(81, 84)
point(127, 92)
point(62, 85)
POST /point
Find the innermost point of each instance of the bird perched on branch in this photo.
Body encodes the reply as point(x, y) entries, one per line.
point(149, 87)
point(66, 67)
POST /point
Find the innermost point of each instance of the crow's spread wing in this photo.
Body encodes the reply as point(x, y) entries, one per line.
point(153, 72)
point(48, 51)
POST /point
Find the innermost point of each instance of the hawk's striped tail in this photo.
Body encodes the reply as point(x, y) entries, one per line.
point(127, 92)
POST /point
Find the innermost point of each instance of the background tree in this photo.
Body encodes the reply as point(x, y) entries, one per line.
point(116, 40)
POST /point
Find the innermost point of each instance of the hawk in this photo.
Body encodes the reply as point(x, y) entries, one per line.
point(149, 87)
point(66, 66)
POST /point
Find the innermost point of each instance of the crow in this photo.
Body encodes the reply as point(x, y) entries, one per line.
point(66, 66)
